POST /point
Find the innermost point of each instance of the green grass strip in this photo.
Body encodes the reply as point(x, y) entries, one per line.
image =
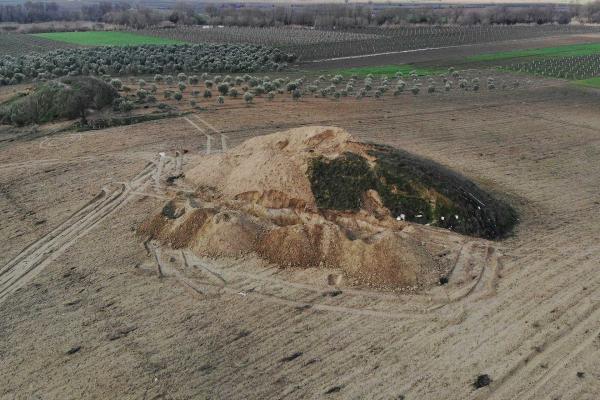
point(568, 50)
point(104, 38)
point(590, 82)
point(389, 70)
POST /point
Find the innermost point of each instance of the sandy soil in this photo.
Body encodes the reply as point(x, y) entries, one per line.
point(93, 319)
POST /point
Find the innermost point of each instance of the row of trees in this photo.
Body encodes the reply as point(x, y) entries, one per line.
point(147, 59)
point(319, 15)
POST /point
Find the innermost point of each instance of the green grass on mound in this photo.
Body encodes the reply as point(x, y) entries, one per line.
point(390, 70)
point(424, 191)
point(568, 50)
point(103, 38)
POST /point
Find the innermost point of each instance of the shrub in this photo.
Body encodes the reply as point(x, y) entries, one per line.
point(291, 86)
point(126, 106)
point(296, 94)
point(270, 95)
point(223, 88)
point(141, 94)
point(220, 99)
point(193, 80)
point(158, 78)
point(233, 93)
point(68, 97)
point(141, 83)
point(178, 96)
point(415, 90)
point(208, 84)
point(248, 97)
point(207, 94)
point(181, 86)
point(116, 83)
point(259, 90)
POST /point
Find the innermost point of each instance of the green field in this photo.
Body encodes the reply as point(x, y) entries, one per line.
point(102, 38)
point(591, 82)
point(387, 70)
point(568, 50)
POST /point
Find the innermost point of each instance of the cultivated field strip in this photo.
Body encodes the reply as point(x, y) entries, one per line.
point(18, 271)
point(15, 44)
point(311, 45)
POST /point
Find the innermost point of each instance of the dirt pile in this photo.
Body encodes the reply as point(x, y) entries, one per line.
point(314, 197)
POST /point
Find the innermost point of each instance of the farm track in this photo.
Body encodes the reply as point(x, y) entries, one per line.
point(269, 285)
point(31, 261)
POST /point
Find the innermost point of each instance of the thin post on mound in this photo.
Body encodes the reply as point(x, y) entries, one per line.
point(223, 142)
point(159, 168)
point(178, 163)
point(208, 137)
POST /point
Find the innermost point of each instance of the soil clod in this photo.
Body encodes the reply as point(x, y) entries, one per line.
point(73, 350)
point(482, 380)
point(334, 389)
point(121, 333)
point(291, 357)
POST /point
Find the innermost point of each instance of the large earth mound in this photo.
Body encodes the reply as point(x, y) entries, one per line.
point(314, 196)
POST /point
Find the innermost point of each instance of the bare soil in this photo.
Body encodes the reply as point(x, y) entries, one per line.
point(88, 312)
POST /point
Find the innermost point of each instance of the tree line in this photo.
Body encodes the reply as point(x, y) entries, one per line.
point(319, 16)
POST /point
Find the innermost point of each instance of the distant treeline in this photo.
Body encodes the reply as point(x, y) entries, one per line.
point(320, 16)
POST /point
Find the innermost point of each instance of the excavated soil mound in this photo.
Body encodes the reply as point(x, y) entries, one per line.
point(313, 196)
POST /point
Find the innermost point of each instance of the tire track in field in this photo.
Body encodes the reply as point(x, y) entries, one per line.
point(263, 284)
point(32, 260)
point(557, 350)
point(209, 136)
